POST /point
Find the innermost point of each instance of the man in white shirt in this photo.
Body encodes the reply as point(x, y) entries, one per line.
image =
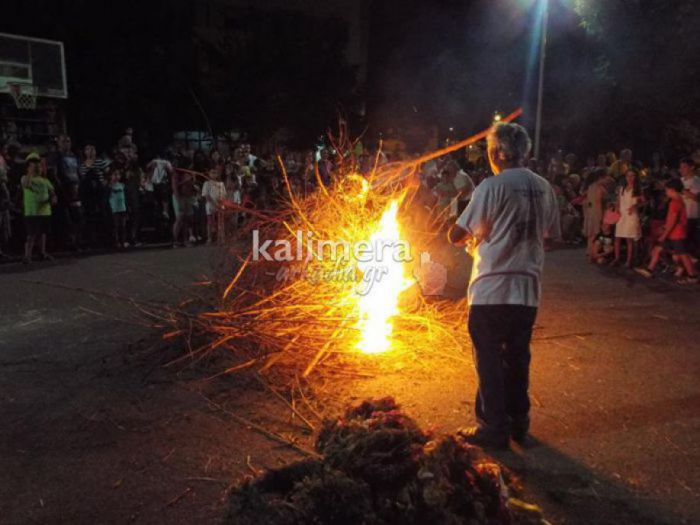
point(505, 225)
point(161, 171)
point(691, 199)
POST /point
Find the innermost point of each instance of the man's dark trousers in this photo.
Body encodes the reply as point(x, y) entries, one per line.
point(501, 347)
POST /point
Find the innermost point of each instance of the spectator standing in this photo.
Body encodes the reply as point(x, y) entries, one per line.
point(182, 185)
point(126, 144)
point(673, 239)
point(464, 186)
point(38, 195)
point(67, 172)
point(214, 191)
point(325, 167)
point(94, 193)
point(620, 167)
point(557, 167)
point(133, 179)
point(691, 199)
point(602, 162)
point(117, 205)
point(233, 196)
point(629, 227)
point(161, 173)
point(593, 209)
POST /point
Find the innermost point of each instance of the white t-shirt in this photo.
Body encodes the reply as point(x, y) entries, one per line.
point(216, 191)
point(161, 168)
point(509, 217)
point(692, 208)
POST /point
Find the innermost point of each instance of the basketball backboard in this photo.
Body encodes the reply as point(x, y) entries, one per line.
point(33, 62)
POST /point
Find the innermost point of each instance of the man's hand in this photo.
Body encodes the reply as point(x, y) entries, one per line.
point(458, 236)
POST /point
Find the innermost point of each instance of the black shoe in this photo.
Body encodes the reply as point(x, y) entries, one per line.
point(477, 436)
point(519, 436)
point(518, 430)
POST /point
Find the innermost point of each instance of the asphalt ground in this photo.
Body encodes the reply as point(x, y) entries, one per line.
point(91, 430)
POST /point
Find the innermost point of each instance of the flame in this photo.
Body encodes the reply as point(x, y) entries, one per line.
point(380, 302)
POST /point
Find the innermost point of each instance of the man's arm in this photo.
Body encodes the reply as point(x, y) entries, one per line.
point(473, 224)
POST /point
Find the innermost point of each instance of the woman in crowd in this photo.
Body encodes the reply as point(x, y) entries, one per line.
point(629, 198)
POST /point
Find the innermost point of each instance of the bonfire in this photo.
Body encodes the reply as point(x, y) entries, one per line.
point(330, 313)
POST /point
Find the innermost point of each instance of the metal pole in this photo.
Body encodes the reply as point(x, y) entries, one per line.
point(540, 87)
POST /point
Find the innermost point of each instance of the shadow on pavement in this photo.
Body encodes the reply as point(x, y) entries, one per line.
point(571, 493)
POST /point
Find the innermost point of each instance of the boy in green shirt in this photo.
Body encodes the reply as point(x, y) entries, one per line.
point(38, 195)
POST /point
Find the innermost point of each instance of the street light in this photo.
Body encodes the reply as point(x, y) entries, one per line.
point(540, 85)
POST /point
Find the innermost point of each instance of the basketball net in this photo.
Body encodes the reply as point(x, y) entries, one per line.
point(24, 95)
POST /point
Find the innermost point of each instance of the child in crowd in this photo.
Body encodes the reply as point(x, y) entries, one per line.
point(604, 244)
point(38, 195)
point(674, 236)
point(117, 205)
point(214, 192)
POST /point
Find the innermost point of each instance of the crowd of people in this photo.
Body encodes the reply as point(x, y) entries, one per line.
point(624, 212)
point(645, 217)
point(64, 200)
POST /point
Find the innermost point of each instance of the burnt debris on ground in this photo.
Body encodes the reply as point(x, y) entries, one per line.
point(378, 467)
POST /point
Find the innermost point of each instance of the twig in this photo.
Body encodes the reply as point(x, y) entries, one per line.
point(178, 498)
point(204, 478)
point(255, 471)
point(282, 398)
point(262, 430)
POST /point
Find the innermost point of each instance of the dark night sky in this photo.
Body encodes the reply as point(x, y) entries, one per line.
point(458, 62)
point(443, 63)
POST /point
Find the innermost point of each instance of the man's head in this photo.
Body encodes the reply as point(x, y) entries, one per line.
point(686, 167)
point(64, 143)
point(674, 188)
point(508, 146)
point(626, 155)
point(33, 161)
point(533, 165)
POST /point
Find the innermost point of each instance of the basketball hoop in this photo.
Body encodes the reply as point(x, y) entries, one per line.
point(24, 95)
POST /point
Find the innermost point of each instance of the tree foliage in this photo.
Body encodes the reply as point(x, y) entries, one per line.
point(648, 62)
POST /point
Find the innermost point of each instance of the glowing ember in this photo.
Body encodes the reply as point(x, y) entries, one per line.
point(381, 301)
